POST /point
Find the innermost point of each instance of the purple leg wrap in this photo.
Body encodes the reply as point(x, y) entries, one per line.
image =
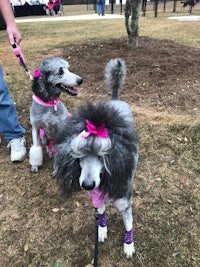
point(128, 237)
point(102, 220)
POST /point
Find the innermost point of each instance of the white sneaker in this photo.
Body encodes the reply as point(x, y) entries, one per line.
point(18, 149)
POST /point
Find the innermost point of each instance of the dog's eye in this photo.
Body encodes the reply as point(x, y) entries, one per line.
point(61, 71)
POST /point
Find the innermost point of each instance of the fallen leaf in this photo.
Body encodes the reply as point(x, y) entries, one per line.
point(176, 253)
point(26, 247)
point(55, 209)
point(158, 179)
point(169, 201)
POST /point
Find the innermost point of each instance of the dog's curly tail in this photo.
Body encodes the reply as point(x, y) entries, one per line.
point(115, 74)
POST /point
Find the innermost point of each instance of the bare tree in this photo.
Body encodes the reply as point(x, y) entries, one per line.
point(132, 22)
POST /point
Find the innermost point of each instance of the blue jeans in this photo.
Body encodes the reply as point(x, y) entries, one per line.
point(9, 124)
point(101, 6)
point(56, 9)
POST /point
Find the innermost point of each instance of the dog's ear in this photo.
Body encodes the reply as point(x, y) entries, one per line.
point(121, 161)
point(39, 87)
point(66, 169)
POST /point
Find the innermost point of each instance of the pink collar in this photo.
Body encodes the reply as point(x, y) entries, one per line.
point(50, 103)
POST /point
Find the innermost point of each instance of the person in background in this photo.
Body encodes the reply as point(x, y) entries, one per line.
point(16, 2)
point(101, 7)
point(56, 7)
point(10, 127)
point(34, 2)
point(49, 8)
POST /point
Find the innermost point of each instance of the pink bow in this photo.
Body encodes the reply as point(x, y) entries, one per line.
point(99, 131)
point(37, 73)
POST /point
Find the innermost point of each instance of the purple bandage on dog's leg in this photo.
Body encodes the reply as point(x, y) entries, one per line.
point(128, 237)
point(102, 220)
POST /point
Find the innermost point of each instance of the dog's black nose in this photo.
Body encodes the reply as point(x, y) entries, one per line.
point(88, 186)
point(80, 80)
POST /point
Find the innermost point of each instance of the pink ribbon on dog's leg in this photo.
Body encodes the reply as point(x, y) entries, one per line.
point(51, 147)
point(41, 133)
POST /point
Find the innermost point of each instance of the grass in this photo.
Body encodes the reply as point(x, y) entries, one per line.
point(166, 203)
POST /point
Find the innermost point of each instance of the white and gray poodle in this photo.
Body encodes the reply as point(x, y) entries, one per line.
point(97, 151)
point(50, 79)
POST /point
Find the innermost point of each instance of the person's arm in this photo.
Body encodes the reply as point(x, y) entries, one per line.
point(14, 34)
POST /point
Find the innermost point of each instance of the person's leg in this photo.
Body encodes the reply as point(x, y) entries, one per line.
point(10, 127)
point(56, 9)
point(99, 7)
point(47, 12)
point(9, 124)
point(103, 2)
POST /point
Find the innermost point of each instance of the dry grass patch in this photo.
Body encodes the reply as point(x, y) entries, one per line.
point(39, 230)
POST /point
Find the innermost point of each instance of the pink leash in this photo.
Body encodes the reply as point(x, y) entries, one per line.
point(21, 59)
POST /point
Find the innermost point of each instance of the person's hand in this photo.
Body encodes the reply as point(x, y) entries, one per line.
point(14, 34)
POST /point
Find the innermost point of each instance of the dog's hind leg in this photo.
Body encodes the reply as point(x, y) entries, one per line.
point(35, 153)
point(125, 207)
point(102, 228)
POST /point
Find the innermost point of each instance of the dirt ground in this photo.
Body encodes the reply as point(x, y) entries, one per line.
point(161, 76)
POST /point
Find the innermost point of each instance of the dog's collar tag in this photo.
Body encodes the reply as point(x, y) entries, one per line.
point(50, 103)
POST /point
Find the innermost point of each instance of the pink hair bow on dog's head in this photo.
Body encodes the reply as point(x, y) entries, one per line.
point(99, 131)
point(37, 73)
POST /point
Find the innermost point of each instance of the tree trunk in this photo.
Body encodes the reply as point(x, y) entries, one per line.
point(132, 24)
point(174, 6)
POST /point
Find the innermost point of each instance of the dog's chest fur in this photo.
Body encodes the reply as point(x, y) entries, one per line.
point(44, 116)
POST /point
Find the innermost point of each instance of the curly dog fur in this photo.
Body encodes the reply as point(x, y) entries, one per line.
point(104, 166)
point(47, 111)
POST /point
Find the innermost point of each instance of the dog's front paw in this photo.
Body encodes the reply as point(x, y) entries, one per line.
point(129, 250)
point(102, 233)
point(34, 169)
point(35, 158)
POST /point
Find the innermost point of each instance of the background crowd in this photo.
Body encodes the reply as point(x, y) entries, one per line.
point(52, 7)
point(30, 2)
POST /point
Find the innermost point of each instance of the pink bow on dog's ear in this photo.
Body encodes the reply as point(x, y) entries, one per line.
point(37, 73)
point(99, 131)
